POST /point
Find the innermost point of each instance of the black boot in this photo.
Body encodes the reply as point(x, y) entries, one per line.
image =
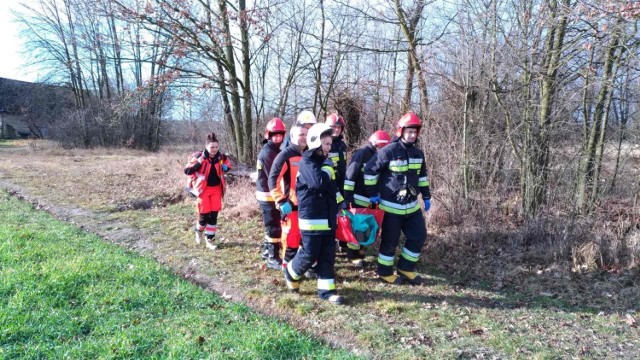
point(264, 251)
point(356, 258)
point(341, 249)
point(274, 261)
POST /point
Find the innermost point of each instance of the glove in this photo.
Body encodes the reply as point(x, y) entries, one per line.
point(225, 168)
point(328, 162)
point(342, 205)
point(374, 199)
point(427, 204)
point(286, 209)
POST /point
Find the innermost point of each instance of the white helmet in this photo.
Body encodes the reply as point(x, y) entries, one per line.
point(306, 117)
point(314, 136)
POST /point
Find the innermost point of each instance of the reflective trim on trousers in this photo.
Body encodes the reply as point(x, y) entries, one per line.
point(326, 284)
point(292, 273)
point(410, 255)
point(385, 260)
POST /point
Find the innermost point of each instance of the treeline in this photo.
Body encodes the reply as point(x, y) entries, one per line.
point(530, 102)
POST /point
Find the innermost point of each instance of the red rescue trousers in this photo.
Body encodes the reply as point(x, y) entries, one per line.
point(210, 200)
point(290, 231)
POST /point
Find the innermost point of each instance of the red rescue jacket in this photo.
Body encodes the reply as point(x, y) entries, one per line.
point(198, 179)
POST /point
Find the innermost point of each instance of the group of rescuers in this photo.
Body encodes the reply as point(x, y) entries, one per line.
point(304, 181)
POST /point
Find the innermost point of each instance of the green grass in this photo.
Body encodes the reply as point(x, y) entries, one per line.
point(67, 294)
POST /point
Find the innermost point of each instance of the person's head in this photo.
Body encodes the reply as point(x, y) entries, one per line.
point(408, 128)
point(275, 131)
point(379, 139)
point(306, 119)
point(212, 145)
point(299, 136)
point(319, 138)
point(336, 122)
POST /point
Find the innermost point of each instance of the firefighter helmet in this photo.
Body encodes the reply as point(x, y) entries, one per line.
point(408, 120)
point(274, 126)
point(379, 138)
point(335, 120)
point(315, 134)
point(306, 117)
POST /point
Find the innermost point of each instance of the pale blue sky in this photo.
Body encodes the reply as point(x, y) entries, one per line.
point(11, 59)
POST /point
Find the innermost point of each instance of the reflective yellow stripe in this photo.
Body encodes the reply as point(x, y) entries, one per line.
point(326, 284)
point(349, 185)
point(353, 246)
point(361, 203)
point(423, 181)
point(410, 255)
point(313, 224)
point(293, 274)
point(263, 196)
point(399, 168)
point(385, 260)
point(415, 163)
point(361, 200)
point(269, 239)
point(370, 179)
point(339, 197)
point(399, 209)
point(329, 170)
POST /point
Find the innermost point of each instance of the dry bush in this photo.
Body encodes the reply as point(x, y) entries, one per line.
point(239, 200)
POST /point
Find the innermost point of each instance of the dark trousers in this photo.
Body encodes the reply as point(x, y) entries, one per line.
point(271, 218)
point(413, 227)
point(320, 248)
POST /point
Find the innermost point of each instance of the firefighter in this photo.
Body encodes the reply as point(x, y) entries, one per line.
point(206, 169)
point(354, 189)
point(338, 156)
point(318, 203)
point(282, 184)
point(305, 119)
point(273, 136)
point(394, 177)
point(338, 153)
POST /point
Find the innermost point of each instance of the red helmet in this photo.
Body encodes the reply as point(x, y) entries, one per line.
point(274, 126)
point(335, 120)
point(379, 138)
point(408, 120)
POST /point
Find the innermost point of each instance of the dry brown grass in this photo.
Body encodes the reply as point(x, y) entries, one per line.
point(482, 273)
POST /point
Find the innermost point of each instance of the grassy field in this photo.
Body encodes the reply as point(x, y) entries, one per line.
point(485, 297)
point(67, 294)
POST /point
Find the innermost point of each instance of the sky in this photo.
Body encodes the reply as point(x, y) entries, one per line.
point(11, 59)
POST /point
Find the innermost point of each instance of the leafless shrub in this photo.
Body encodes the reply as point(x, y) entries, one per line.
point(239, 200)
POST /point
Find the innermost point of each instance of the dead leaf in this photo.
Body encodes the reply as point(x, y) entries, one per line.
point(629, 319)
point(478, 332)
